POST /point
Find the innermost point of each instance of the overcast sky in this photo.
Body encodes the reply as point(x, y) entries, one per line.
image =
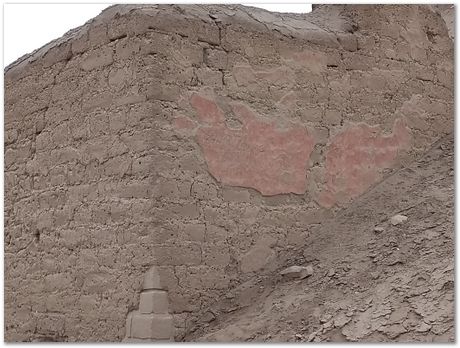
point(30, 26)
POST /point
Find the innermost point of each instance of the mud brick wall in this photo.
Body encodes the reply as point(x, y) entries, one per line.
point(202, 141)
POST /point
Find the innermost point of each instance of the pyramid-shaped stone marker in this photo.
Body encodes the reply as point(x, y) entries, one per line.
point(152, 322)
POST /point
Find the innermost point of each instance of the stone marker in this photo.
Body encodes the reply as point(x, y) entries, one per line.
point(152, 279)
point(151, 326)
point(154, 301)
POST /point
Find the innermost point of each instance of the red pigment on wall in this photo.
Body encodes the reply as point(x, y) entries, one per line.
point(355, 158)
point(257, 155)
point(184, 123)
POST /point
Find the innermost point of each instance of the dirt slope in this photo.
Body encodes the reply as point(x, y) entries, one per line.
point(396, 285)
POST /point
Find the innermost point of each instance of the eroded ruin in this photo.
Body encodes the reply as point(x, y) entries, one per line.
point(164, 162)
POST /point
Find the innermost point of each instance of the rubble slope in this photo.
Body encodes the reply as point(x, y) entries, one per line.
point(368, 285)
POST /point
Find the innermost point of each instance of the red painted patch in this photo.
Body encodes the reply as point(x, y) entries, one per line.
point(184, 123)
point(356, 157)
point(207, 110)
point(257, 155)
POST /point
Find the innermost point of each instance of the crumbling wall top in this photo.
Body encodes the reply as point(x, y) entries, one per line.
point(318, 27)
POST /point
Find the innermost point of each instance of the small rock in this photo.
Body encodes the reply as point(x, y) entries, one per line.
point(395, 260)
point(398, 219)
point(331, 272)
point(328, 324)
point(424, 327)
point(300, 272)
point(325, 318)
point(312, 336)
point(208, 317)
point(341, 320)
point(378, 229)
point(393, 330)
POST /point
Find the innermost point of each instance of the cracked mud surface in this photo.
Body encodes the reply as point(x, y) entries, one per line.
point(396, 285)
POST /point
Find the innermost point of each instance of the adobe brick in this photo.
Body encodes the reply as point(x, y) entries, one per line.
point(236, 195)
point(188, 210)
point(215, 58)
point(195, 232)
point(98, 59)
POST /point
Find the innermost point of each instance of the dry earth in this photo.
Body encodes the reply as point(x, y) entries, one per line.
point(396, 285)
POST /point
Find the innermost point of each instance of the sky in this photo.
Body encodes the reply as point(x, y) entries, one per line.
point(29, 26)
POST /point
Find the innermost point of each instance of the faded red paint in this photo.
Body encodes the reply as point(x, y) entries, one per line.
point(258, 155)
point(207, 110)
point(184, 123)
point(355, 158)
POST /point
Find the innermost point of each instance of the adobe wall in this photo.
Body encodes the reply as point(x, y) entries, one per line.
point(203, 141)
